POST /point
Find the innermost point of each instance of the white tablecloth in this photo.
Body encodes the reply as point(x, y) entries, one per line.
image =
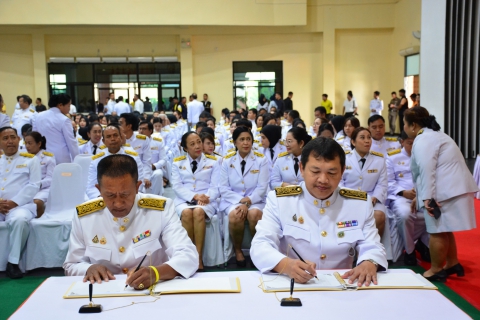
point(47, 303)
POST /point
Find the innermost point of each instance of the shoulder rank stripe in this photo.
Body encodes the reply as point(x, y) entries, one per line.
point(157, 139)
point(32, 111)
point(354, 194)
point(81, 143)
point(26, 154)
point(179, 158)
point(141, 136)
point(98, 155)
point(347, 152)
point(103, 147)
point(90, 207)
point(256, 141)
point(288, 191)
point(282, 143)
point(132, 153)
point(49, 154)
point(283, 154)
point(211, 157)
point(340, 138)
point(259, 129)
point(126, 145)
point(231, 150)
point(391, 139)
point(258, 154)
point(420, 132)
point(151, 203)
point(230, 154)
point(393, 152)
point(378, 154)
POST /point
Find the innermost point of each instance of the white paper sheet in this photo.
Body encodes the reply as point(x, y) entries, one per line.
point(110, 288)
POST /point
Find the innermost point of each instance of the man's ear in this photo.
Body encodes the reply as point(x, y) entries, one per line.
point(302, 170)
point(98, 187)
point(139, 183)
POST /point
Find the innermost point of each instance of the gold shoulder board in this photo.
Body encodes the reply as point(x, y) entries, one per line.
point(90, 207)
point(157, 139)
point(226, 124)
point(103, 147)
point(259, 129)
point(347, 152)
point(151, 203)
point(130, 152)
point(230, 154)
point(378, 154)
point(258, 154)
point(282, 143)
point(48, 153)
point(340, 138)
point(420, 132)
point(141, 136)
point(391, 139)
point(179, 158)
point(231, 150)
point(98, 155)
point(256, 141)
point(283, 154)
point(26, 154)
point(32, 111)
point(288, 191)
point(393, 152)
point(354, 194)
point(82, 142)
point(126, 145)
point(210, 157)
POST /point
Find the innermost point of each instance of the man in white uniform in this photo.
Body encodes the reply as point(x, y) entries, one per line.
point(23, 115)
point(110, 107)
point(376, 105)
point(138, 103)
point(376, 125)
point(158, 160)
point(20, 177)
point(325, 224)
point(110, 235)
point(194, 109)
point(121, 107)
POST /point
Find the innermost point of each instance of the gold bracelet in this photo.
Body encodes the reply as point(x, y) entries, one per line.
point(157, 276)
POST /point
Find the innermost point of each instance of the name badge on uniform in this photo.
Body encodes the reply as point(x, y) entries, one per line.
point(207, 167)
point(22, 165)
point(154, 148)
point(232, 166)
point(373, 171)
point(347, 224)
point(284, 169)
point(348, 167)
point(254, 171)
point(137, 147)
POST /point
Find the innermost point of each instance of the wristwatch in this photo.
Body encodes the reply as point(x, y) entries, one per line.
point(246, 203)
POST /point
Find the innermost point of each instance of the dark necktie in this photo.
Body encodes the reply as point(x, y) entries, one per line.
point(95, 149)
point(295, 166)
point(363, 162)
point(271, 153)
point(243, 165)
point(194, 166)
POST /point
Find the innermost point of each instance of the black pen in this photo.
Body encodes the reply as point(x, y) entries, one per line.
point(301, 259)
point(139, 268)
point(292, 282)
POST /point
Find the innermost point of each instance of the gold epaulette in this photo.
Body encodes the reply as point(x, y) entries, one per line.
point(157, 139)
point(104, 146)
point(259, 129)
point(217, 154)
point(90, 207)
point(151, 203)
point(230, 154)
point(258, 154)
point(393, 152)
point(283, 154)
point(98, 155)
point(341, 138)
point(82, 142)
point(179, 158)
point(226, 124)
point(420, 132)
point(32, 111)
point(26, 154)
point(231, 150)
point(211, 157)
point(288, 191)
point(256, 141)
point(132, 153)
point(391, 139)
point(347, 152)
point(48, 153)
point(126, 145)
point(378, 154)
point(282, 143)
point(141, 136)
point(354, 194)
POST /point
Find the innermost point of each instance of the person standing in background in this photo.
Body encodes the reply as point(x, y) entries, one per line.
point(121, 107)
point(288, 102)
point(147, 105)
point(327, 104)
point(138, 103)
point(393, 113)
point(194, 109)
point(413, 97)
point(207, 104)
point(279, 102)
point(262, 102)
point(23, 115)
point(4, 119)
point(349, 108)
point(39, 107)
point(376, 105)
point(402, 107)
point(110, 106)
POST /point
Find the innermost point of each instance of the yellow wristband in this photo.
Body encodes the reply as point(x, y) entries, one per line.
point(157, 277)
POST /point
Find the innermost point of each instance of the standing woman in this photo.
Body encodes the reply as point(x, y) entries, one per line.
point(351, 124)
point(440, 173)
point(366, 171)
point(243, 186)
point(271, 144)
point(194, 180)
point(57, 129)
point(36, 144)
point(286, 170)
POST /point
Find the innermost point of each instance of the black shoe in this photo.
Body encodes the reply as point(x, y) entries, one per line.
point(423, 250)
point(440, 276)
point(13, 271)
point(458, 269)
point(410, 259)
point(241, 263)
point(201, 270)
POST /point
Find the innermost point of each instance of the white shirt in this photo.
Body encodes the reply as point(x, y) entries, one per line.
point(284, 171)
point(110, 106)
point(22, 117)
point(73, 109)
point(377, 105)
point(194, 109)
point(87, 148)
point(5, 121)
point(349, 105)
point(385, 145)
point(121, 107)
point(139, 106)
point(141, 145)
point(398, 173)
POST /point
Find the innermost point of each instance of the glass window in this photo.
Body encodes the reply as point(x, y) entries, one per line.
point(74, 72)
point(412, 65)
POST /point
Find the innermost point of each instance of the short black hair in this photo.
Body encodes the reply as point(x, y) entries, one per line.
point(205, 114)
point(353, 121)
point(377, 93)
point(148, 123)
point(322, 147)
point(375, 117)
point(26, 128)
point(208, 130)
point(244, 123)
point(321, 110)
point(325, 95)
point(183, 143)
point(117, 165)
point(239, 131)
point(131, 119)
point(254, 111)
point(113, 125)
point(158, 120)
point(290, 92)
point(92, 125)
point(6, 128)
point(26, 98)
point(401, 90)
point(294, 114)
point(200, 124)
point(393, 92)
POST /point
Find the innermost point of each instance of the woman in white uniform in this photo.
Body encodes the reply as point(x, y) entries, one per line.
point(92, 147)
point(208, 142)
point(286, 170)
point(350, 124)
point(326, 130)
point(37, 144)
point(194, 180)
point(271, 145)
point(440, 175)
point(365, 170)
point(243, 186)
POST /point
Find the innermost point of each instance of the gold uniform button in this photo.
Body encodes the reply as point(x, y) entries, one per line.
point(125, 220)
point(122, 228)
point(322, 210)
point(360, 177)
point(323, 256)
point(121, 249)
point(324, 233)
point(115, 219)
point(193, 178)
point(341, 234)
point(315, 202)
point(125, 270)
point(242, 182)
point(327, 203)
point(3, 189)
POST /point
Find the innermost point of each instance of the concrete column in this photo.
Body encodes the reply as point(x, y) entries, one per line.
point(329, 57)
point(186, 60)
point(40, 68)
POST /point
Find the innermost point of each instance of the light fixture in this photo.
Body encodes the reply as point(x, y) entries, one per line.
point(165, 59)
point(409, 51)
point(88, 59)
point(139, 59)
point(114, 59)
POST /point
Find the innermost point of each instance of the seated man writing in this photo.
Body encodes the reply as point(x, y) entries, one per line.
point(111, 234)
point(326, 225)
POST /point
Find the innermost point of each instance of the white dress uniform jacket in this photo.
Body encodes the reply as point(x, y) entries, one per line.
point(122, 107)
point(385, 145)
point(141, 144)
point(57, 129)
point(157, 149)
point(204, 180)
point(119, 244)
point(139, 106)
point(87, 148)
point(253, 183)
point(327, 232)
point(92, 191)
point(47, 165)
point(283, 171)
point(110, 106)
point(194, 109)
point(344, 141)
point(21, 117)
point(377, 105)
point(277, 150)
point(5, 121)
point(399, 174)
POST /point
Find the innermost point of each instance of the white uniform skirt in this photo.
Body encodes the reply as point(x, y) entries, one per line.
point(258, 206)
point(210, 209)
point(42, 195)
point(458, 214)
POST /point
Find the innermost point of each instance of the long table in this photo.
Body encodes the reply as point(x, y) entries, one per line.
point(252, 303)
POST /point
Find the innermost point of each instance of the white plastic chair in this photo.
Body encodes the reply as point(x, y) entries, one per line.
point(84, 161)
point(47, 244)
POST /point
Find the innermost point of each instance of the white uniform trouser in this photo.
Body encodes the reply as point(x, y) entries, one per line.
point(410, 226)
point(157, 182)
point(18, 229)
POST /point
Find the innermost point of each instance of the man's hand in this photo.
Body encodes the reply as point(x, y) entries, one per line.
point(144, 275)
point(413, 206)
point(6, 206)
point(297, 269)
point(374, 201)
point(148, 184)
point(97, 273)
point(409, 194)
point(365, 272)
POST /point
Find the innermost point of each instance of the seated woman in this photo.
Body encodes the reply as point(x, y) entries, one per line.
point(271, 146)
point(337, 123)
point(209, 145)
point(243, 186)
point(286, 170)
point(36, 144)
point(326, 130)
point(366, 170)
point(194, 180)
point(350, 124)
point(92, 147)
